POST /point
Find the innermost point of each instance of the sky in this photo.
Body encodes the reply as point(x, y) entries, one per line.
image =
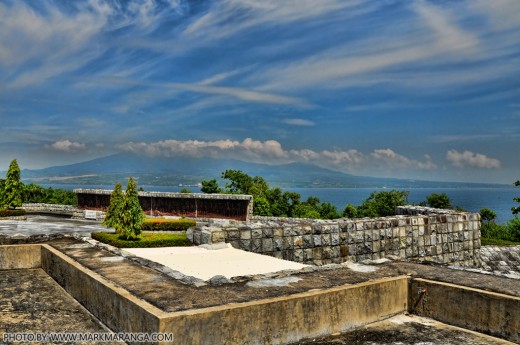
point(409, 89)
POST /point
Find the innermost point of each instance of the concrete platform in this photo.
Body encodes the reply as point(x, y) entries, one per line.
point(205, 263)
point(32, 302)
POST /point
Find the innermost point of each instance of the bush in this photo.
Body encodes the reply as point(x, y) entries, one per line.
point(12, 213)
point(147, 240)
point(509, 231)
point(161, 224)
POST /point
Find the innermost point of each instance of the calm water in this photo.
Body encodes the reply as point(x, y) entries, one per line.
point(500, 199)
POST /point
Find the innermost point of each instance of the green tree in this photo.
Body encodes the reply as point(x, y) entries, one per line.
point(210, 187)
point(240, 181)
point(382, 204)
point(261, 206)
point(328, 211)
point(487, 215)
point(113, 214)
point(516, 209)
point(438, 201)
point(12, 193)
point(132, 215)
point(185, 191)
point(350, 211)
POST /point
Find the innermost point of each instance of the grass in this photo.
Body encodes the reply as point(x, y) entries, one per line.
point(497, 242)
point(147, 240)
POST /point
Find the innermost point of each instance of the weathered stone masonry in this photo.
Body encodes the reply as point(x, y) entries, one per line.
point(441, 236)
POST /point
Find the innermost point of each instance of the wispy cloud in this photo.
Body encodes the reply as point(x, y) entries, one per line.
point(471, 159)
point(298, 122)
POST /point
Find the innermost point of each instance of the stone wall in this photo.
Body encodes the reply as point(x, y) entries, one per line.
point(439, 236)
point(66, 210)
point(193, 205)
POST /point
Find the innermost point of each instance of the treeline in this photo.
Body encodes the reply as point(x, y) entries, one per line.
point(278, 203)
point(33, 193)
point(13, 192)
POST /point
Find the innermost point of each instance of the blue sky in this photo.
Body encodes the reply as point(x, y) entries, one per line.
point(411, 89)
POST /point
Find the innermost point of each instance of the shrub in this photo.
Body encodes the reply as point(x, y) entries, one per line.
point(131, 215)
point(113, 213)
point(161, 224)
point(12, 213)
point(147, 240)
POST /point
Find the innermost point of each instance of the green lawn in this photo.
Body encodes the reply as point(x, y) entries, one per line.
point(147, 240)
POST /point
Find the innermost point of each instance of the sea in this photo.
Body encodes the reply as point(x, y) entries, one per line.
point(497, 198)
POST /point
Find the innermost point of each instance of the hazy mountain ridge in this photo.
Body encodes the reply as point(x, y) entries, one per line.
point(188, 170)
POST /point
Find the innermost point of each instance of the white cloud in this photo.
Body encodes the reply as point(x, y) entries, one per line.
point(298, 122)
point(470, 159)
point(66, 146)
point(395, 160)
point(272, 152)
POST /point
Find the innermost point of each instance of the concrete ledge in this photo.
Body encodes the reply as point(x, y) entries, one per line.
point(478, 310)
point(20, 256)
point(291, 318)
point(114, 306)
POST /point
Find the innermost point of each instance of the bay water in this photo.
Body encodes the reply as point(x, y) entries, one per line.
point(497, 198)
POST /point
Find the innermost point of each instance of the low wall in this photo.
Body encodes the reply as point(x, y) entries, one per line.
point(441, 236)
point(20, 256)
point(478, 310)
point(54, 209)
point(193, 205)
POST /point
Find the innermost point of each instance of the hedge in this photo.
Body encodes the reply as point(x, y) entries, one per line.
point(147, 240)
point(11, 213)
point(162, 224)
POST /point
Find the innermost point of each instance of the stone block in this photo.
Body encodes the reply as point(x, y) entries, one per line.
point(245, 234)
point(233, 235)
point(267, 232)
point(307, 241)
point(267, 245)
point(308, 255)
point(317, 240)
point(257, 233)
point(334, 239)
point(298, 241)
point(344, 250)
point(325, 240)
point(278, 232)
point(376, 246)
point(278, 244)
point(218, 236)
point(298, 255)
point(336, 252)
point(287, 243)
point(245, 245)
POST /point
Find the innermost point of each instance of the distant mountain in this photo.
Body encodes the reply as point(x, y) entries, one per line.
point(165, 171)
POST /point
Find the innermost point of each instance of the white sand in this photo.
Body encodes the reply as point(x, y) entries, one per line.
point(204, 264)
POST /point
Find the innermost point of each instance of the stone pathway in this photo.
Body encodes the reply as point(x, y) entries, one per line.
point(501, 260)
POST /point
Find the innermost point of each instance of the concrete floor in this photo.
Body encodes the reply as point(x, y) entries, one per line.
point(407, 330)
point(47, 225)
point(32, 302)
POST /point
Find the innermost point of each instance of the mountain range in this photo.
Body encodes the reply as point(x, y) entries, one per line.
point(162, 171)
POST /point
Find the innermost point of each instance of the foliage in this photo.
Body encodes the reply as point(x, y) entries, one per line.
point(185, 191)
point(12, 191)
point(210, 187)
point(274, 201)
point(147, 240)
point(161, 224)
point(33, 193)
point(382, 204)
point(516, 209)
point(438, 201)
point(496, 242)
point(509, 231)
point(132, 215)
point(350, 211)
point(11, 213)
point(487, 215)
point(113, 214)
